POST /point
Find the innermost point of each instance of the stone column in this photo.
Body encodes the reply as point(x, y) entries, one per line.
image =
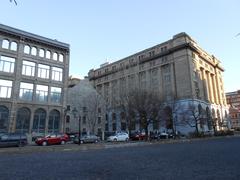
point(215, 93)
point(160, 81)
point(46, 122)
point(173, 87)
point(204, 82)
point(210, 89)
point(217, 88)
point(31, 120)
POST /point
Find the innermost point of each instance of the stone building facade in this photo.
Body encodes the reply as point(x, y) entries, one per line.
point(233, 100)
point(33, 82)
point(177, 69)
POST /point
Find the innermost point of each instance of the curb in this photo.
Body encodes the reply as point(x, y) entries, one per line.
point(104, 145)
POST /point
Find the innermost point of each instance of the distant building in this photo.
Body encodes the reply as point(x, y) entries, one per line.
point(233, 99)
point(177, 69)
point(72, 81)
point(33, 82)
point(85, 109)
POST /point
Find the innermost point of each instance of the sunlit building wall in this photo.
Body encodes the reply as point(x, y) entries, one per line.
point(33, 82)
point(177, 70)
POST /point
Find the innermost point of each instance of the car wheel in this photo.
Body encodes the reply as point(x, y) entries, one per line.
point(81, 142)
point(96, 141)
point(62, 142)
point(115, 139)
point(44, 143)
point(126, 139)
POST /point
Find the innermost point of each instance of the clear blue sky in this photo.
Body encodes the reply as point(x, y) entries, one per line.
point(100, 30)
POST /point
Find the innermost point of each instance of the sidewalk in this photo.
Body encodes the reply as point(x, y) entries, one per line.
point(103, 145)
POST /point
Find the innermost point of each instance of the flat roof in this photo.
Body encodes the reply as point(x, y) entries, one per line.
point(35, 37)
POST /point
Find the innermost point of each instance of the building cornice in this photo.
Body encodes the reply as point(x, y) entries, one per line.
point(33, 37)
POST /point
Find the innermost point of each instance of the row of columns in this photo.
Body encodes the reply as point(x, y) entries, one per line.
point(210, 86)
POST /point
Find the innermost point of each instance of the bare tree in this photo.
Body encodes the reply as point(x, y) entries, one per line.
point(143, 107)
point(15, 2)
point(89, 105)
point(193, 116)
point(94, 105)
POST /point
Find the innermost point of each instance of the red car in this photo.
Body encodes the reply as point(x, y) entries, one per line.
point(52, 139)
point(138, 136)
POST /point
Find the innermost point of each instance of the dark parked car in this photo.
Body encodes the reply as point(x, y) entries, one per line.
point(51, 139)
point(138, 136)
point(13, 139)
point(87, 139)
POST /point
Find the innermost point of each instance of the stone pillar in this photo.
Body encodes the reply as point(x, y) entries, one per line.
point(31, 120)
point(173, 85)
point(217, 88)
point(210, 89)
point(204, 84)
point(160, 81)
point(214, 89)
point(46, 122)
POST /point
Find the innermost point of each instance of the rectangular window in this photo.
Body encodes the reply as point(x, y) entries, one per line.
point(41, 93)
point(56, 74)
point(43, 71)
point(26, 91)
point(7, 64)
point(28, 68)
point(5, 88)
point(56, 94)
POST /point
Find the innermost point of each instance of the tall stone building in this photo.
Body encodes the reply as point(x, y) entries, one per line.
point(33, 82)
point(178, 70)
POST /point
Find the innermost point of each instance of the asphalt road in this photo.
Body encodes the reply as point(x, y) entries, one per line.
point(205, 159)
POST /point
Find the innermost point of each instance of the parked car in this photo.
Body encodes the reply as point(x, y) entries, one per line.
point(138, 136)
point(13, 139)
point(87, 139)
point(122, 136)
point(51, 139)
point(163, 135)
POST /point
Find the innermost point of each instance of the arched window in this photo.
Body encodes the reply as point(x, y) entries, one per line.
point(34, 51)
point(61, 57)
point(23, 120)
point(13, 46)
point(27, 49)
point(39, 121)
point(5, 44)
point(209, 118)
point(4, 113)
point(48, 54)
point(41, 52)
point(54, 121)
point(55, 56)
